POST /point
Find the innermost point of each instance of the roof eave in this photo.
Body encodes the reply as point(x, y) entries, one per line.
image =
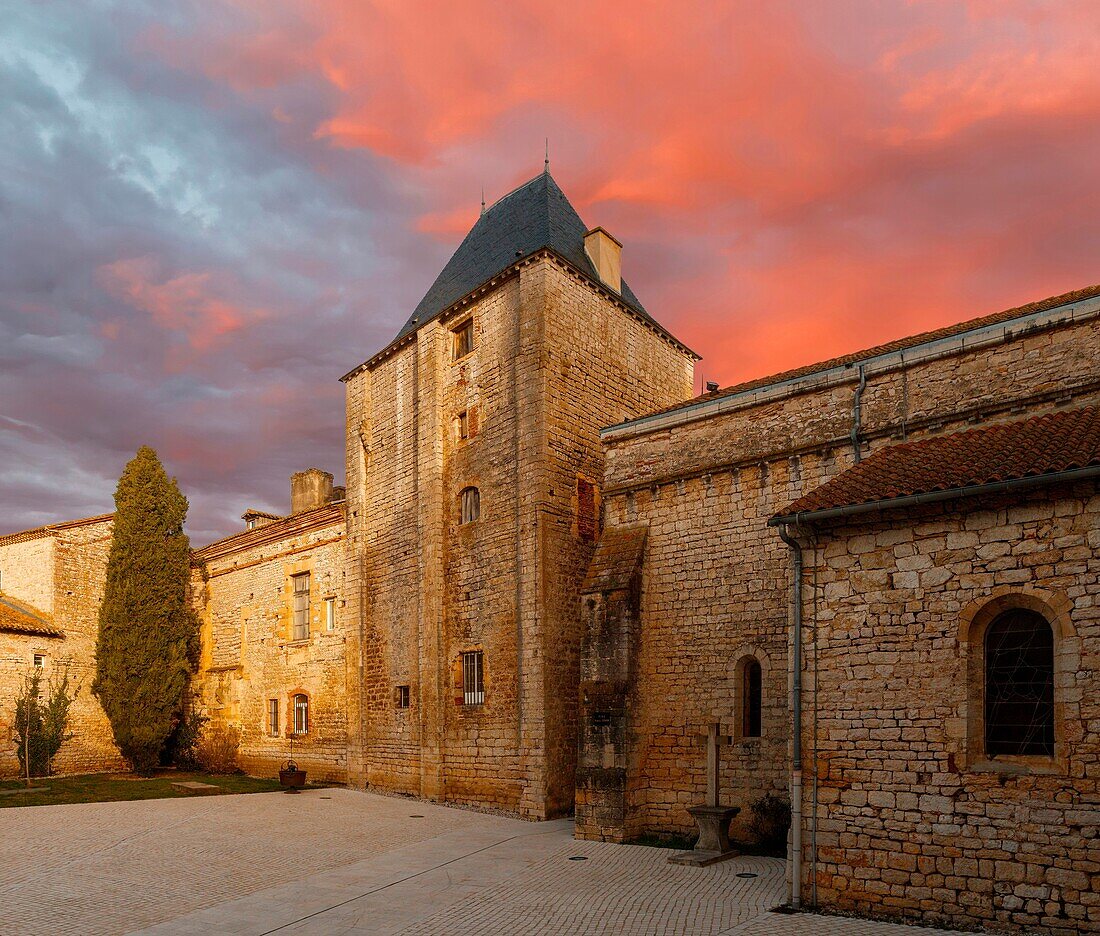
point(1048, 313)
point(506, 273)
point(804, 517)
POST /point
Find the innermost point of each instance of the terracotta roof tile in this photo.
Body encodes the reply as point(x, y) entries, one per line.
point(51, 528)
point(17, 617)
point(330, 513)
point(901, 344)
point(1041, 445)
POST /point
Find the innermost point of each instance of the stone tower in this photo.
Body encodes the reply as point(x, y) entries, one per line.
point(474, 472)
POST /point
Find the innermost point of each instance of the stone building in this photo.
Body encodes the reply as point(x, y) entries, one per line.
point(474, 471)
point(952, 636)
point(554, 572)
point(688, 603)
point(51, 586)
point(271, 601)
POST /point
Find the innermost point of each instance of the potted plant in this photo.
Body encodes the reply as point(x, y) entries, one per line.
point(291, 776)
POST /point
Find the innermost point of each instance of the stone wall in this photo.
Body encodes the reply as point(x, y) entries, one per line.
point(61, 571)
point(912, 819)
point(554, 357)
point(715, 578)
point(243, 591)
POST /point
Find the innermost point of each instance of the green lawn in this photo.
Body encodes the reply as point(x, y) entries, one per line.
point(107, 788)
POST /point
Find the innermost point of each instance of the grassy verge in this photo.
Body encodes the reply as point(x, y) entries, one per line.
point(109, 788)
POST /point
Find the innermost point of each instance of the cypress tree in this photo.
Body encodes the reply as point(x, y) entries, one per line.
point(148, 634)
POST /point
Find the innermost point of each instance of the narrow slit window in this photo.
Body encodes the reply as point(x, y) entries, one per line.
point(751, 698)
point(330, 614)
point(401, 697)
point(1019, 685)
point(462, 426)
point(471, 505)
point(463, 339)
point(301, 607)
point(473, 678)
point(301, 714)
point(586, 510)
point(273, 717)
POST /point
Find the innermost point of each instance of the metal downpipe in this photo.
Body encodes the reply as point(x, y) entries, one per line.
point(796, 711)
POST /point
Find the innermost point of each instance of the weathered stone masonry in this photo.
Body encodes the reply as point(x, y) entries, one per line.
point(59, 571)
point(552, 360)
point(706, 477)
point(911, 819)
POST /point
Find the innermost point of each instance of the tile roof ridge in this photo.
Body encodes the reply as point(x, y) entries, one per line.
point(48, 528)
point(904, 343)
point(280, 527)
point(1046, 444)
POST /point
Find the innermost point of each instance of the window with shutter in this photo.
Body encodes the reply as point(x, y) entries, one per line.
point(470, 505)
point(463, 339)
point(300, 629)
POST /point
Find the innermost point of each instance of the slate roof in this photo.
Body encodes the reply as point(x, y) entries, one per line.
point(19, 618)
point(1030, 448)
point(533, 216)
point(900, 344)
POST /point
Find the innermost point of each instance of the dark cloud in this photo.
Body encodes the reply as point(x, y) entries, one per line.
point(176, 271)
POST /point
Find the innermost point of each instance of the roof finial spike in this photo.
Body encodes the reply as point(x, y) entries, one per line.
point(546, 162)
point(483, 199)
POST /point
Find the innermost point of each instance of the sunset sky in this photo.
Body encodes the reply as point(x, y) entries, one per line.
point(209, 211)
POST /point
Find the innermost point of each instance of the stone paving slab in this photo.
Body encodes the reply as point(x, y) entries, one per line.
point(337, 861)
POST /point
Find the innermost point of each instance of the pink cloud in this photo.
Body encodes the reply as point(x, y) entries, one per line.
point(189, 303)
point(826, 176)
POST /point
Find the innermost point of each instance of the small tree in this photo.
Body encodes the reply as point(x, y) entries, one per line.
point(148, 634)
point(41, 727)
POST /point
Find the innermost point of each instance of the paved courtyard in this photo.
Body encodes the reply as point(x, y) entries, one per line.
point(342, 862)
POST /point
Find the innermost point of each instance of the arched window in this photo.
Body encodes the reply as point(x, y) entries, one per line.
point(751, 697)
point(301, 714)
point(1019, 684)
point(471, 505)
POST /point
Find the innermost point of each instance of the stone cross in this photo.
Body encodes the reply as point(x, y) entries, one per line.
point(713, 740)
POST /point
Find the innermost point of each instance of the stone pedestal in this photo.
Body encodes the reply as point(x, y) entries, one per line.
point(714, 842)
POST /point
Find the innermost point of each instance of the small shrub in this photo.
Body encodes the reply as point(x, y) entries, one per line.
point(181, 749)
point(769, 822)
point(47, 722)
point(217, 749)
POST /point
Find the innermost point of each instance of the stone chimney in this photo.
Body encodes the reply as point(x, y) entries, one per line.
point(606, 255)
point(309, 489)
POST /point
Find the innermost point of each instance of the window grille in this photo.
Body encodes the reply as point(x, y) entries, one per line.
point(301, 714)
point(273, 717)
point(463, 339)
point(401, 697)
point(1019, 685)
point(471, 505)
point(39, 660)
point(330, 614)
point(301, 607)
point(473, 678)
point(751, 698)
